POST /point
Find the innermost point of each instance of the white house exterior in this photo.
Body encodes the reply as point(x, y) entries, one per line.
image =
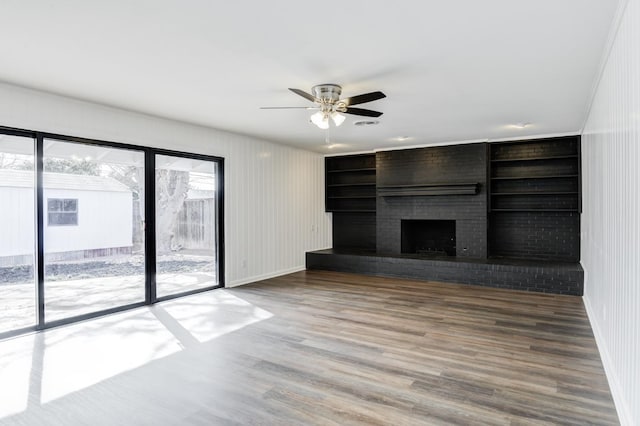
point(98, 220)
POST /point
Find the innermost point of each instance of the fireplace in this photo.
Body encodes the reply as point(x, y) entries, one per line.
point(429, 237)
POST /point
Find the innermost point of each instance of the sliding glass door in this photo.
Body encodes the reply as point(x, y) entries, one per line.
point(17, 233)
point(93, 228)
point(186, 224)
point(75, 239)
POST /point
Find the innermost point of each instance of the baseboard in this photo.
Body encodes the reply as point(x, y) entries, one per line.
point(624, 415)
point(255, 278)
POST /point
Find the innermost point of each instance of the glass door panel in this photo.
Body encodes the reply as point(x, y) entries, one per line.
point(186, 225)
point(17, 233)
point(94, 228)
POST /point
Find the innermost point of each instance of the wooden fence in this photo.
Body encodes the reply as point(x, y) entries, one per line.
point(196, 227)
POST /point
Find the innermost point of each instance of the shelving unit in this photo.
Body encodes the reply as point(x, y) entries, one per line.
point(553, 157)
point(533, 210)
point(334, 185)
point(534, 184)
point(351, 196)
point(535, 176)
point(532, 177)
point(364, 169)
point(351, 184)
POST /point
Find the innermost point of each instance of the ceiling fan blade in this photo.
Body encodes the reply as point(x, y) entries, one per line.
point(364, 98)
point(304, 94)
point(362, 111)
point(288, 108)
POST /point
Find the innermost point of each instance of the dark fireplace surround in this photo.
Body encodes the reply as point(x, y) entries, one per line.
point(440, 186)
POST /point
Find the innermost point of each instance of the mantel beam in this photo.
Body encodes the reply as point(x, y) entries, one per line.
point(428, 189)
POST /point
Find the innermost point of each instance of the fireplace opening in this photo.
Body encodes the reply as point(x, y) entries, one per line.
point(429, 237)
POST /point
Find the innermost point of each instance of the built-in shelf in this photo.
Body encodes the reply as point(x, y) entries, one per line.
point(534, 210)
point(350, 211)
point(553, 157)
point(350, 184)
point(351, 197)
point(351, 187)
point(533, 177)
point(368, 169)
point(533, 193)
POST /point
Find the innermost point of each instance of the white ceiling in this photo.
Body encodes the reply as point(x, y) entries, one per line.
point(452, 70)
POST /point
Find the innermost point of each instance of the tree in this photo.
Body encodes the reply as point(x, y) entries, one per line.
point(76, 167)
point(51, 165)
point(172, 187)
point(15, 161)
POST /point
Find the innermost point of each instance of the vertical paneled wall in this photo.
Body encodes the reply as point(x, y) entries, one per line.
point(274, 195)
point(275, 211)
point(611, 215)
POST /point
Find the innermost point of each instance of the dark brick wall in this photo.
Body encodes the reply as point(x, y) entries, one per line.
point(540, 221)
point(354, 230)
point(540, 235)
point(446, 164)
point(543, 276)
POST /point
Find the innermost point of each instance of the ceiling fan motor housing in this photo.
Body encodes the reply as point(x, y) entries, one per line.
point(327, 93)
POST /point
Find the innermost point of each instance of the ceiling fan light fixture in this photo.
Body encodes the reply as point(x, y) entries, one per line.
point(337, 118)
point(320, 119)
point(324, 125)
point(317, 118)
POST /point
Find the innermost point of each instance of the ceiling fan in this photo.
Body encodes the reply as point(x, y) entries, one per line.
point(326, 98)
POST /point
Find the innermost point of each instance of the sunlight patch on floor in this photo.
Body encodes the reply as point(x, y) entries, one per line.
point(213, 314)
point(42, 367)
point(15, 371)
point(79, 356)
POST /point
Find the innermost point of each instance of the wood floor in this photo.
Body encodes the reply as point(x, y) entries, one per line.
point(330, 348)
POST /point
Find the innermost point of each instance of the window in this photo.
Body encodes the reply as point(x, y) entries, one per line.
point(111, 238)
point(62, 211)
point(18, 308)
point(186, 224)
point(102, 265)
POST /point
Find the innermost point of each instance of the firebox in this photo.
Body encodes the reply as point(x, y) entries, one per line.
point(429, 237)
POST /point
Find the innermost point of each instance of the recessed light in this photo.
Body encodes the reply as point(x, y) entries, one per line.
point(332, 145)
point(366, 123)
point(521, 125)
point(403, 138)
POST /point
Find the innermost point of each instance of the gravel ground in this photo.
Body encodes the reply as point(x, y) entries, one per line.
point(98, 269)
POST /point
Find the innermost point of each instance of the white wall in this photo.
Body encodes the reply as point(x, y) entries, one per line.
point(274, 195)
point(611, 218)
point(17, 221)
point(105, 220)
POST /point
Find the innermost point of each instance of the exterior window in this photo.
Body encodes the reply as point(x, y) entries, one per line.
point(41, 183)
point(62, 211)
